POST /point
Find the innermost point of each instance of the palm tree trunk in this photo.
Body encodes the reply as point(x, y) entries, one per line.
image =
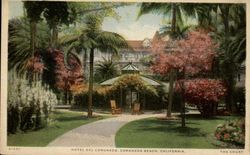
point(173, 27)
point(171, 93)
point(230, 79)
point(171, 80)
point(91, 72)
point(32, 36)
point(32, 42)
point(54, 36)
point(85, 56)
point(183, 116)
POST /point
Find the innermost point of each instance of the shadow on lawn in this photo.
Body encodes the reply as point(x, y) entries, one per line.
point(199, 117)
point(73, 118)
point(171, 127)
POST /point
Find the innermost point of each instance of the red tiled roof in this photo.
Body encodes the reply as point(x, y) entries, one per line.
point(135, 44)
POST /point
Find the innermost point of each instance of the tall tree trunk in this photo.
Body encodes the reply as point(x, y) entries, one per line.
point(85, 56)
point(32, 36)
point(91, 72)
point(54, 37)
point(32, 44)
point(183, 116)
point(229, 80)
point(171, 80)
point(171, 92)
point(173, 26)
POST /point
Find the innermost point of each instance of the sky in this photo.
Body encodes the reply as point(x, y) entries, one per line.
point(128, 25)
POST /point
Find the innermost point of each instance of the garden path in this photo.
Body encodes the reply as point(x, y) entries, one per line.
point(97, 134)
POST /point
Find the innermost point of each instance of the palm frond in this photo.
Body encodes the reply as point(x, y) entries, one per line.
point(158, 8)
point(19, 42)
point(110, 41)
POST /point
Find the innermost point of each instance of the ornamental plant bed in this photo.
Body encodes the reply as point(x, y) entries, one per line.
point(231, 132)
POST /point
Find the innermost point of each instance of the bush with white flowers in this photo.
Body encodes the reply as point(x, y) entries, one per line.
point(29, 104)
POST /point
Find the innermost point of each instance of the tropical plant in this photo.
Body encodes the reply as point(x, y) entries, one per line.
point(106, 69)
point(232, 51)
point(33, 11)
point(173, 10)
point(56, 14)
point(95, 38)
point(19, 52)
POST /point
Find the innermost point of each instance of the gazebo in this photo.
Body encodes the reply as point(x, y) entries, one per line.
point(132, 95)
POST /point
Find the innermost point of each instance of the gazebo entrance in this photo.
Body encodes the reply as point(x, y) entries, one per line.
point(131, 97)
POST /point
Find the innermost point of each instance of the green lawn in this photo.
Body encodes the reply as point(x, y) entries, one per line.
point(63, 122)
point(155, 133)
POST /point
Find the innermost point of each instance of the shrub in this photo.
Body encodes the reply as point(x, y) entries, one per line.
point(231, 132)
point(205, 93)
point(27, 103)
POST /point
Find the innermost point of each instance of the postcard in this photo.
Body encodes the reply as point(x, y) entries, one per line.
point(124, 77)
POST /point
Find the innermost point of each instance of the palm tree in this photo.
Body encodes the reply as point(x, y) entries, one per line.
point(232, 46)
point(19, 42)
point(175, 10)
point(106, 69)
point(229, 29)
point(56, 14)
point(94, 38)
point(33, 12)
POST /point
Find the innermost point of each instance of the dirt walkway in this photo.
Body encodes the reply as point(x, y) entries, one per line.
point(97, 134)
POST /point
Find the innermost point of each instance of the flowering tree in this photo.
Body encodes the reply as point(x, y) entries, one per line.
point(191, 56)
point(67, 78)
point(205, 93)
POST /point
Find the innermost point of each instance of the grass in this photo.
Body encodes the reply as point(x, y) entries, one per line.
point(155, 133)
point(63, 122)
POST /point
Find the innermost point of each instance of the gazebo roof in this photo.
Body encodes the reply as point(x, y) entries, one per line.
point(130, 68)
point(145, 79)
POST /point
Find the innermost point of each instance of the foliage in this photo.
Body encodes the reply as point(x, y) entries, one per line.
point(193, 55)
point(35, 64)
point(231, 132)
point(203, 91)
point(26, 104)
point(58, 13)
point(230, 33)
point(106, 69)
point(19, 53)
point(97, 39)
point(33, 10)
point(134, 82)
point(176, 11)
point(67, 77)
point(101, 97)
